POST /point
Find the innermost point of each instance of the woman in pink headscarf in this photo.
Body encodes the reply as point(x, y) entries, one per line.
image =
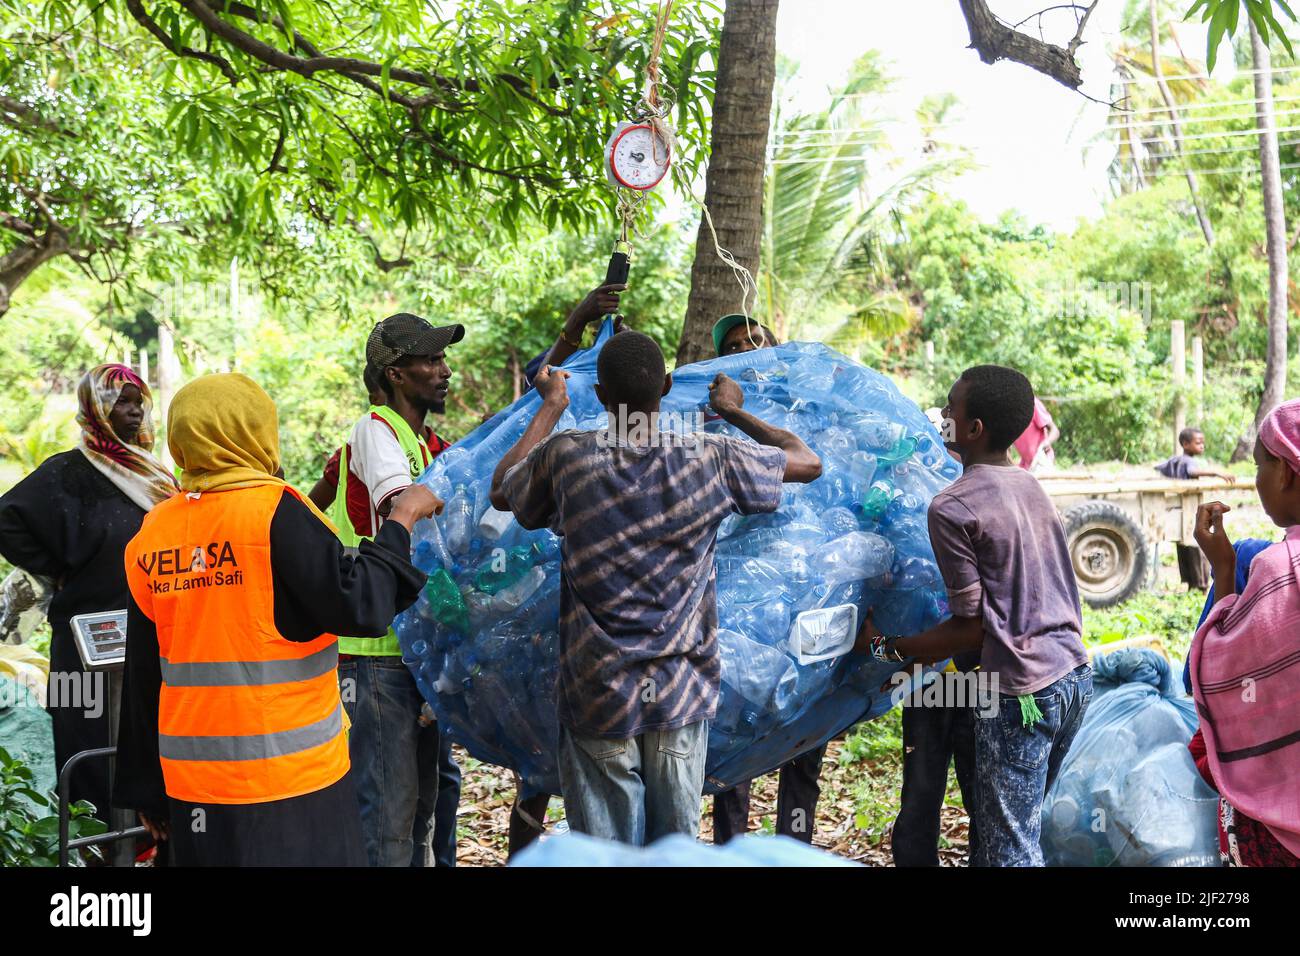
point(1245, 664)
point(69, 521)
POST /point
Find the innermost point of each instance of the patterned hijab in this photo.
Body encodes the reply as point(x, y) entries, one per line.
point(136, 473)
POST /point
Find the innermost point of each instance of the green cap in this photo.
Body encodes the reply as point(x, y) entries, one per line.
point(726, 324)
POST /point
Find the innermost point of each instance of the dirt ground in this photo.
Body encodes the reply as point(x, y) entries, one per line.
point(487, 793)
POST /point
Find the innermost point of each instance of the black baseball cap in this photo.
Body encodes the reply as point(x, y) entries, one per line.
point(405, 334)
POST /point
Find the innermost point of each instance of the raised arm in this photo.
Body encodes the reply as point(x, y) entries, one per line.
point(550, 385)
point(801, 462)
point(1217, 547)
point(599, 302)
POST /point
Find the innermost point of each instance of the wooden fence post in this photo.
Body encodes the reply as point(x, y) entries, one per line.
point(1178, 354)
point(1198, 377)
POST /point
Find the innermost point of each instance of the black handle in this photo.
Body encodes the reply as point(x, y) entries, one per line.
point(619, 266)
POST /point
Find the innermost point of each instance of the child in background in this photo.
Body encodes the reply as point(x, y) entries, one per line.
point(1184, 465)
point(1245, 664)
point(1001, 549)
point(1192, 569)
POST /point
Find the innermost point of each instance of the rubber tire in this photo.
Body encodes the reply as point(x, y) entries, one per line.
point(1119, 540)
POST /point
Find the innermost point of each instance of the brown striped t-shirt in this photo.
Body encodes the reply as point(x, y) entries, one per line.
point(638, 618)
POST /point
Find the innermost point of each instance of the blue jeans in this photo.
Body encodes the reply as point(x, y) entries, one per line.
point(634, 790)
point(394, 760)
point(443, 842)
point(1017, 765)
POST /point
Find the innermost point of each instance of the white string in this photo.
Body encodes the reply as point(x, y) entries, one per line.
point(655, 109)
point(744, 278)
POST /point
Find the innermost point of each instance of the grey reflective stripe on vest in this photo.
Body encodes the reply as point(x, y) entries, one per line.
point(255, 746)
point(249, 673)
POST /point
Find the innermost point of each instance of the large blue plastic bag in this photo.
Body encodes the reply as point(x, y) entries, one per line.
point(482, 639)
point(1128, 792)
point(753, 849)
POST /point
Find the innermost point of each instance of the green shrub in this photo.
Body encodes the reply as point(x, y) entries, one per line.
point(29, 819)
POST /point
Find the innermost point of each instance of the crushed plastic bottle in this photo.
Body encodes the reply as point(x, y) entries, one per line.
point(503, 568)
point(445, 604)
point(514, 596)
point(856, 556)
point(483, 643)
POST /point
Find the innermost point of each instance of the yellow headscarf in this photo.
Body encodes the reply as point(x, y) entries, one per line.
point(224, 432)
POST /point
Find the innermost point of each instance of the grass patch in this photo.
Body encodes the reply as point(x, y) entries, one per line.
point(1170, 616)
point(875, 752)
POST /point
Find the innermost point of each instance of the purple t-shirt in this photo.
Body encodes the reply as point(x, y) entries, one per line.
point(1181, 465)
point(1001, 550)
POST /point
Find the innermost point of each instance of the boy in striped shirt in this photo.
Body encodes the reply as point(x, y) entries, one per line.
point(638, 513)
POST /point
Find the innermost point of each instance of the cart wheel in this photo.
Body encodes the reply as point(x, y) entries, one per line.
point(1108, 551)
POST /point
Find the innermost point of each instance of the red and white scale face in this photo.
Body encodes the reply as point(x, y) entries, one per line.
point(639, 158)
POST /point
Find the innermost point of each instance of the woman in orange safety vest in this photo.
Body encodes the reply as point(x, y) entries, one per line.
point(232, 741)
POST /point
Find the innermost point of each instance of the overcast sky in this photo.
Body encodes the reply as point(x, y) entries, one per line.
point(1027, 132)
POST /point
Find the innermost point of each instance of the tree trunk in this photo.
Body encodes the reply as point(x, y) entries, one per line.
point(1276, 242)
point(17, 264)
point(742, 107)
point(1176, 126)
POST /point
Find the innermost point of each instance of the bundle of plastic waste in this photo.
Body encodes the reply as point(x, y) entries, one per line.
point(482, 641)
point(578, 849)
point(1128, 792)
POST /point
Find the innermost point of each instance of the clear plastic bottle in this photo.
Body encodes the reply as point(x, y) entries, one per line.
point(494, 523)
point(838, 521)
point(458, 519)
point(513, 597)
point(854, 556)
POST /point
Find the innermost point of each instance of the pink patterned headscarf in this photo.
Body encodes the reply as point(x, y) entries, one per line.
point(1245, 667)
point(137, 474)
point(1280, 433)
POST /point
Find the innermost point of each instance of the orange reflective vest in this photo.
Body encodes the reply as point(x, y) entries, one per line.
point(244, 715)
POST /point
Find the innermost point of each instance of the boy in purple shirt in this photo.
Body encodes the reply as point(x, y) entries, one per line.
point(1001, 549)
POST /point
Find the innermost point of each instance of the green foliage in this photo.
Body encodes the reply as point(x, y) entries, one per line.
point(876, 745)
point(47, 341)
point(1009, 294)
point(1170, 616)
point(1223, 16)
point(39, 441)
point(832, 192)
point(29, 819)
point(421, 111)
point(875, 740)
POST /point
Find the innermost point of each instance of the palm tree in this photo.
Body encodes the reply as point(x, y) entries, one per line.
point(1141, 121)
point(1275, 241)
point(832, 191)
